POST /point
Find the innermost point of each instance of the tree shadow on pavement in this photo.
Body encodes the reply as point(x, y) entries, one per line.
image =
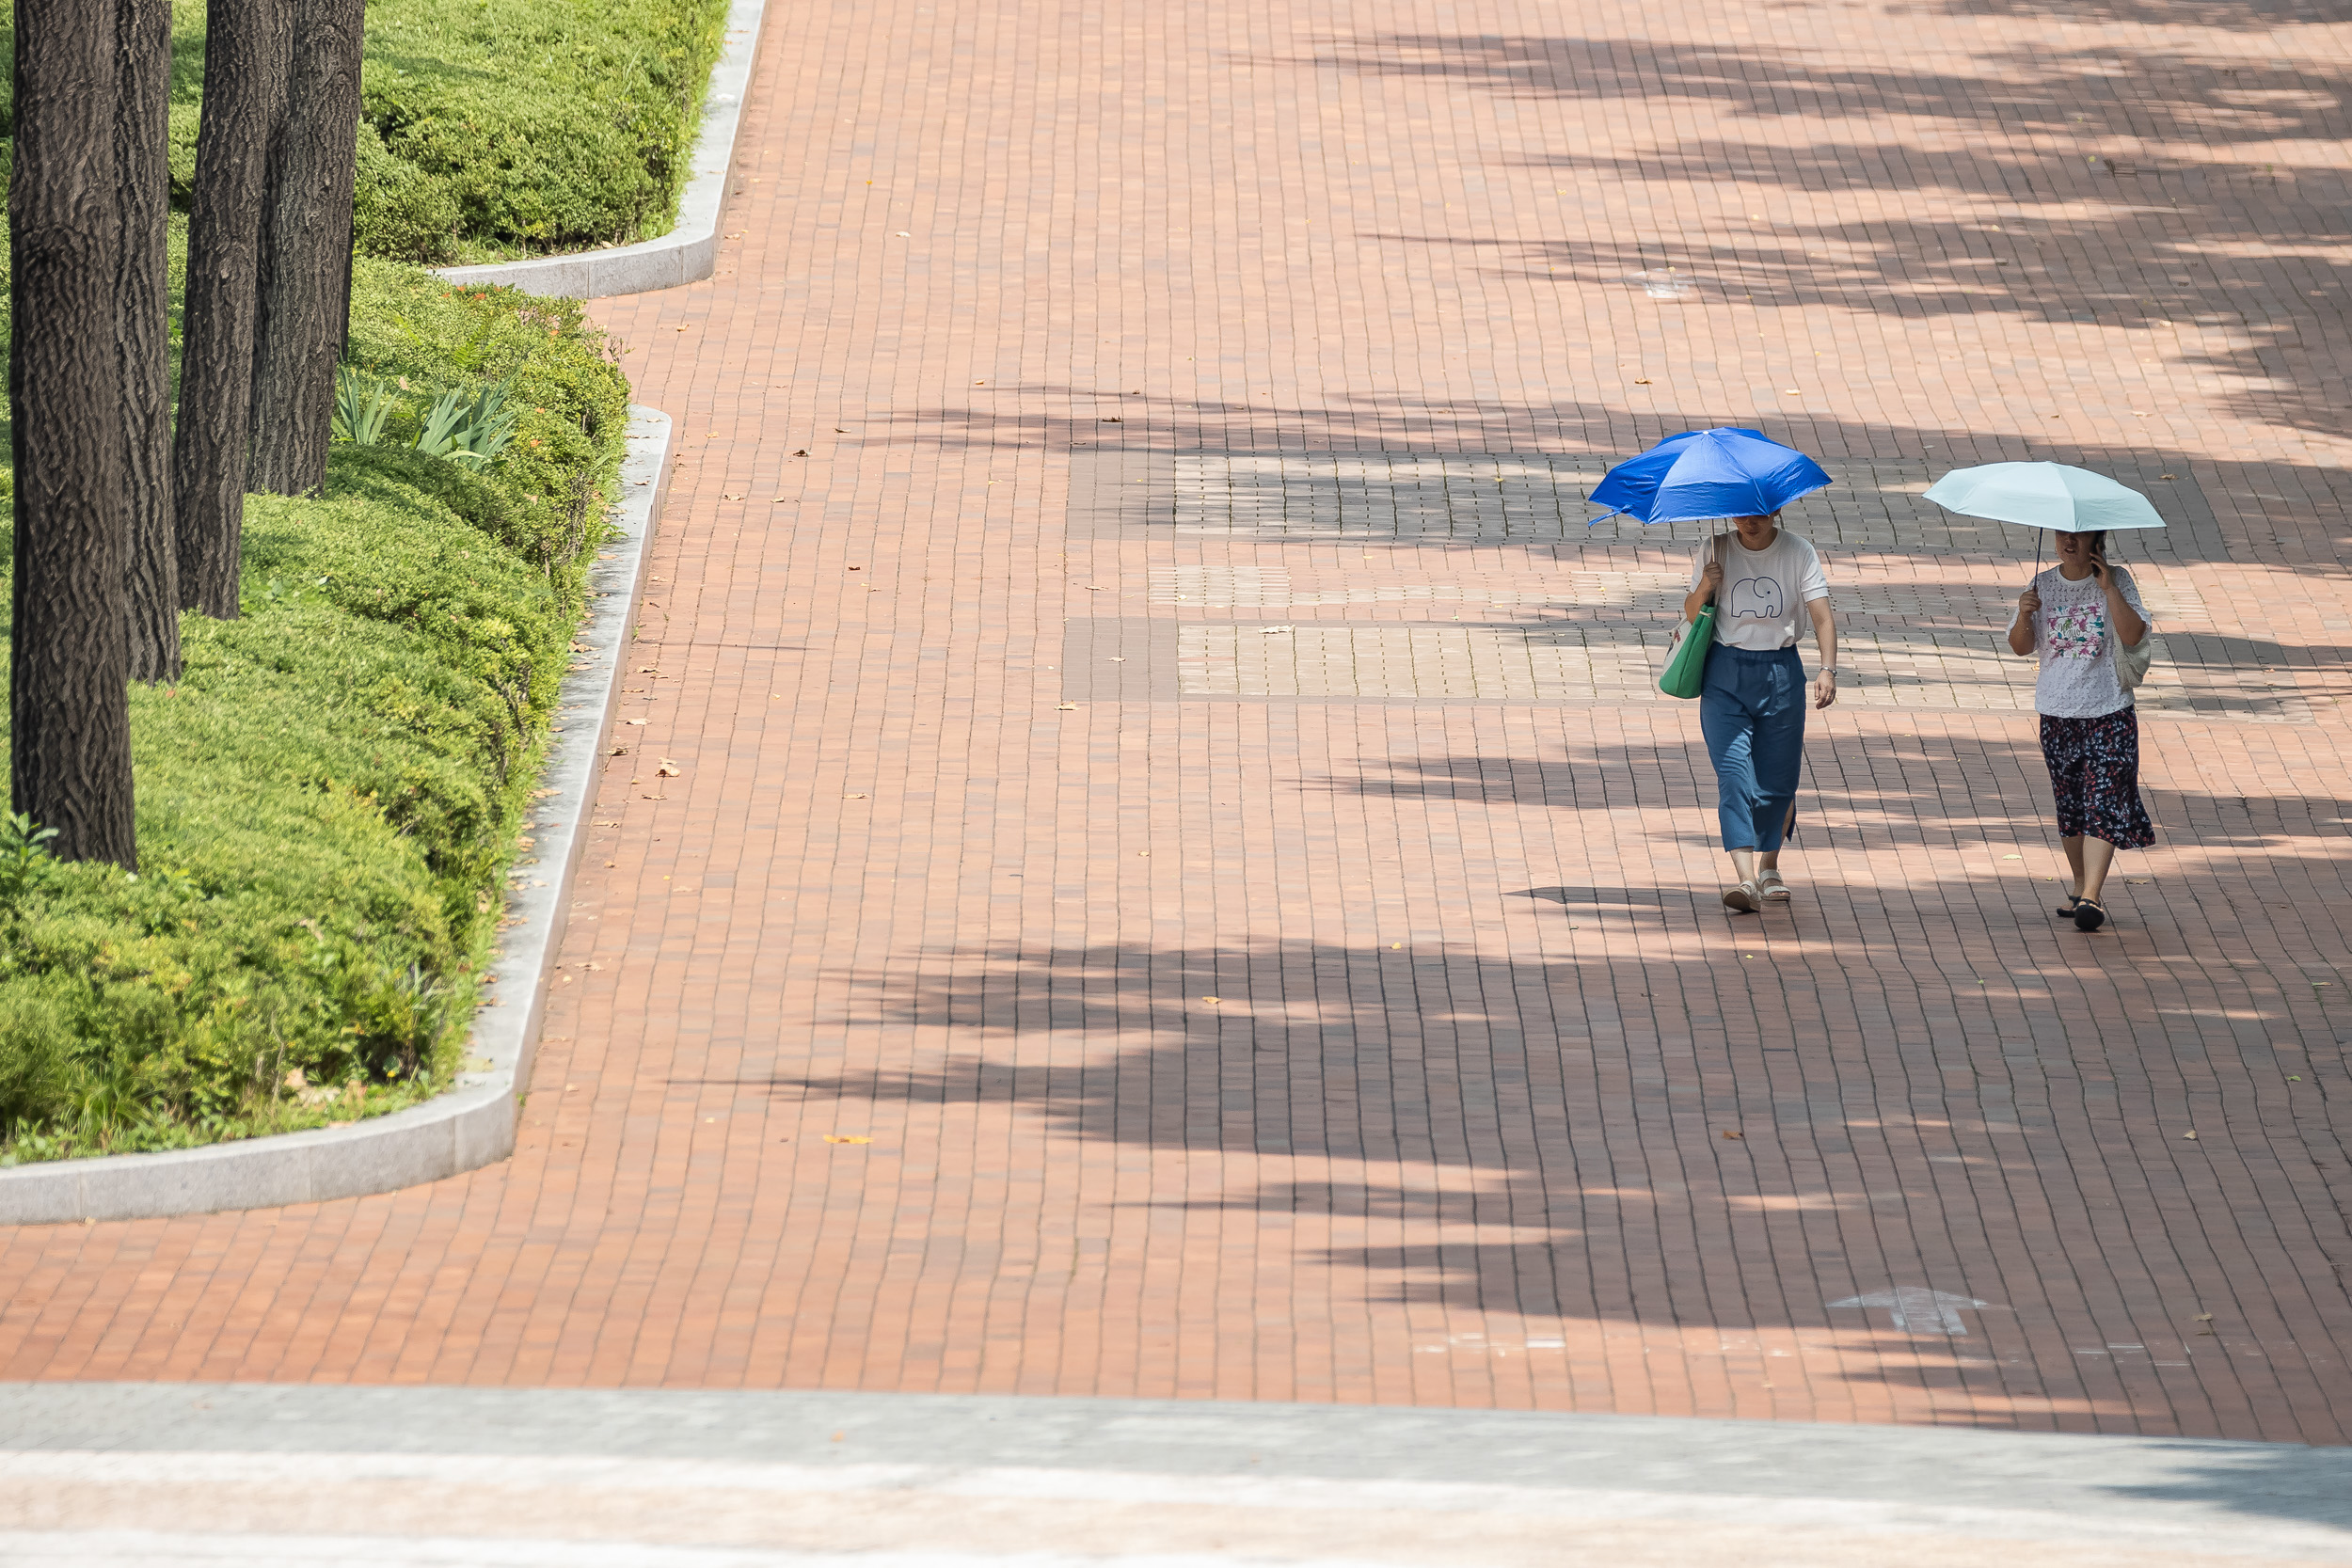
point(1928, 786)
point(2251, 501)
point(2239, 14)
point(1694, 1139)
point(2313, 1486)
point(2145, 240)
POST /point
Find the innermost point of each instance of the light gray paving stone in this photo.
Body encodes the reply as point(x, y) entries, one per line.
point(2234, 1499)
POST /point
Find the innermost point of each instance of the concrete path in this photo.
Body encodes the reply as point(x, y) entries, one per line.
point(98, 1474)
point(1142, 860)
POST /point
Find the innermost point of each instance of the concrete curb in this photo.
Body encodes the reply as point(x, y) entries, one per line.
point(472, 1124)
point(687, 253)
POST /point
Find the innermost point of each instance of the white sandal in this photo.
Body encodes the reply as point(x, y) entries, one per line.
point(1773, 886)
point(1744, 899)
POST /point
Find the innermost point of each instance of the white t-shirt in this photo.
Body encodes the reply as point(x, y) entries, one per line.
point(2078, 648)
point(1763, 590)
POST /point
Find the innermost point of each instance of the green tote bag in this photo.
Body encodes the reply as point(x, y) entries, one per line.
point(1686, 656)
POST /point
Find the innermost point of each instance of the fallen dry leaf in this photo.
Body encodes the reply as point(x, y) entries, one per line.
point(1067, 707)
point(846, 1138)
point(854, 797)
point(1212, 999)
point(667, 773)
point(1642, 382)
point(1735, 1134)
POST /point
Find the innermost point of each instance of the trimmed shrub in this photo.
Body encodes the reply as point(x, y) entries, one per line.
point(399, 210)
point(548, 124)
point(498, 128)
point(329, 797)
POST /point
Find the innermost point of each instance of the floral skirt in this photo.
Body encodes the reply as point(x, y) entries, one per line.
point(2094, 772)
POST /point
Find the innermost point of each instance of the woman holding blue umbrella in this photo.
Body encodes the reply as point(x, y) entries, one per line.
point(1761, 580)
point(1751, 706)
point(2084, 620)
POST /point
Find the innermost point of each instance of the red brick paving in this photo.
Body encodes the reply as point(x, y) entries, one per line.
point(1435, 1139)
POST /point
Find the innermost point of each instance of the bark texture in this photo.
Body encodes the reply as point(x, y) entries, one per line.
point(143, 328)
point(306, 249)
point(69, 746)
point(245, 82)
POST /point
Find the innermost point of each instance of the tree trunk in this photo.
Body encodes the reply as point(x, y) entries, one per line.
point(245, 79)
point(306, 250)
point(69, 746)
point(143, 327)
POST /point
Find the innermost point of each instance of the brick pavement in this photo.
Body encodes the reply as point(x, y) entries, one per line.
point(1344, 1013)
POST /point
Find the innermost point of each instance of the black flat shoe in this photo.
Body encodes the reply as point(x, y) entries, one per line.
point(2066, 910)
point(2089, 914)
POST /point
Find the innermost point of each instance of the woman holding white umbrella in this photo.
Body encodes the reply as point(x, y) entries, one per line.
point(2084, 620)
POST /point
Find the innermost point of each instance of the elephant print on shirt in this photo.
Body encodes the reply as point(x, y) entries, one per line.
point(1758, 596)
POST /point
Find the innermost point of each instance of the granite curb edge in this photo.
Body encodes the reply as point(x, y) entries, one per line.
point(472, 1123)
point(689, 252)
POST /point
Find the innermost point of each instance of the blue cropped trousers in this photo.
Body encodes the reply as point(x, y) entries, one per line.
point(1751, 712)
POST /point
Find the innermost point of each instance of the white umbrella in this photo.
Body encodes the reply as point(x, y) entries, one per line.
point(2044, 495)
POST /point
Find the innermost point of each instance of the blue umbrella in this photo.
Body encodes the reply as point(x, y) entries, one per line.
point(1724, 472)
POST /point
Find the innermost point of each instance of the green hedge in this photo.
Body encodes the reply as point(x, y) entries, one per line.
point(536, 124)
point(327, 799)
point(500, 128)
